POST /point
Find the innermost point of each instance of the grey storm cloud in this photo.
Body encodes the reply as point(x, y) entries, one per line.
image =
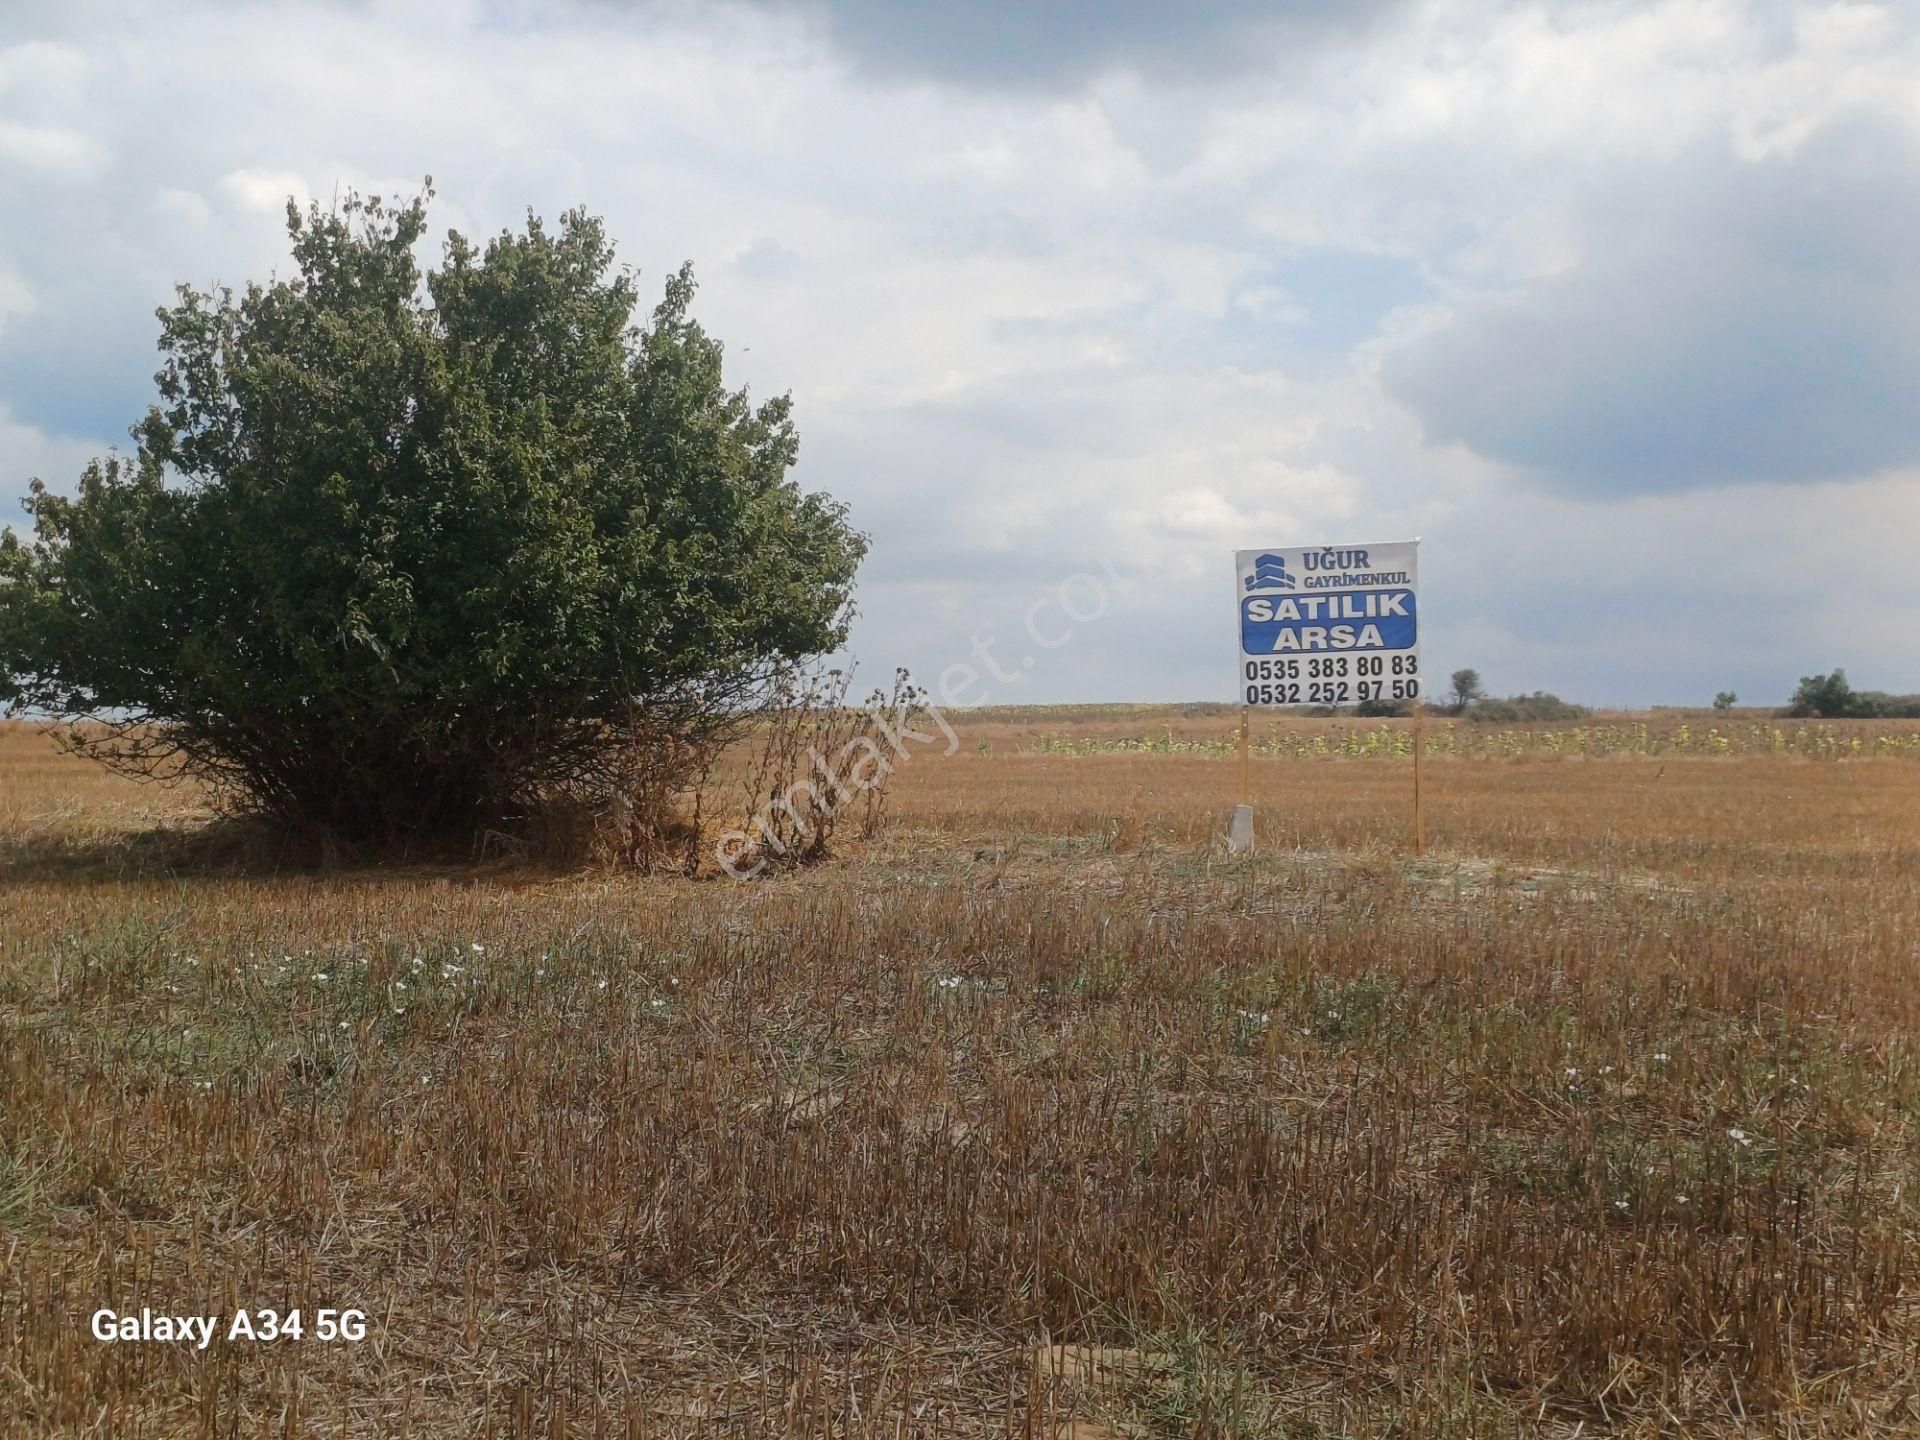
point(1021, 43)
point(1731, 321)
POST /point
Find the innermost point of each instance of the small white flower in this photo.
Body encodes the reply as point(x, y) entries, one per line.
point(603, 984)
point(1740, 1136)
point(478, 948)
point(1573, 1072)
point(399, 1009)
point(1662, 1056)
point(343, 1024)
point(320, 975)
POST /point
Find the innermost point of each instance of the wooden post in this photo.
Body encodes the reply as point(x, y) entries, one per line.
point(1419, 748)
point(1246, 763)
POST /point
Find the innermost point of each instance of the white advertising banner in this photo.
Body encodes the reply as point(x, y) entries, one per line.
point(1329, 624)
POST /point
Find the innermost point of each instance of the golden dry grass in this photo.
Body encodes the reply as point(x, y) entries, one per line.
point(1034, 1116)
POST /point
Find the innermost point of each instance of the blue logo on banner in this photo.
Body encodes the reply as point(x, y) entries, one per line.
point(1270, 573)
point(1343, 621)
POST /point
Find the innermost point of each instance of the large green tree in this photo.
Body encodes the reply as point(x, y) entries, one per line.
point(406, 554)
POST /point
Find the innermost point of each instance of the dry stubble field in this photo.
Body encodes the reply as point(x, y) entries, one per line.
point(1033, 1115)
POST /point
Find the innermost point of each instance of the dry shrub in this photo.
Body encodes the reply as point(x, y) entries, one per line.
point(655, 818)
point(820, 762)
point(806, 763)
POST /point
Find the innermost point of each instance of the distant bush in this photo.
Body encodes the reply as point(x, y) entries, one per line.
point(1878, 705)
point(1381, 708)
point(1830, 697)
point(1525, 709)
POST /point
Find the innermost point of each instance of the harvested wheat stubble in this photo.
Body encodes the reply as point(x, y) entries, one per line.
point(1033, 1116)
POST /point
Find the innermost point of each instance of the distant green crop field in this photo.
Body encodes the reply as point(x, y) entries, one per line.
point(1363, 740)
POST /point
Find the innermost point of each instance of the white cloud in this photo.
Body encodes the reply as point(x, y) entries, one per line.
point(16, 296)
point(265, 191)
point(63, 153)
point(185, 208)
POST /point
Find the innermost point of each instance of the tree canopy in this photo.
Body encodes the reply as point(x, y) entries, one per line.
point(1832, 697)
point(401, 553)
point(1465, 688)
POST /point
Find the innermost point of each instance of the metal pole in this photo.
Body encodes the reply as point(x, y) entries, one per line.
point(1419, 748)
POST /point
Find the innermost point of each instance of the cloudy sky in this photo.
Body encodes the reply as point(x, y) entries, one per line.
point(1617, 306)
